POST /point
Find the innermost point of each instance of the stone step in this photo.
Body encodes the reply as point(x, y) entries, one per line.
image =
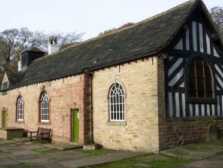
point(63, 147)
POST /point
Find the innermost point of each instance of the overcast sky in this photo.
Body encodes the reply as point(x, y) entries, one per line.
point(88, 16)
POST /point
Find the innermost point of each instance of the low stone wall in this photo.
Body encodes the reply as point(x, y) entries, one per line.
point(173, 133)
point(11, 133)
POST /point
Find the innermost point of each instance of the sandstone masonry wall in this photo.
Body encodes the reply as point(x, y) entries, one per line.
point(64, 95)
point(139, 132)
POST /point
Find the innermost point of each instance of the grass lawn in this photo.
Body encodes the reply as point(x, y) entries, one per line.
point(146, 161)
point(21, 165)
point(203, 147)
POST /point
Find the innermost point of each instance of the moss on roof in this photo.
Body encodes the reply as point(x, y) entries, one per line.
point(134, 42)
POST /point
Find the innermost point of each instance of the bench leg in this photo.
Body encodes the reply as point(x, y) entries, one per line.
point(31, 137)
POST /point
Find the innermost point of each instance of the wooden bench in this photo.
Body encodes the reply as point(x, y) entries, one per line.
point(41, 134)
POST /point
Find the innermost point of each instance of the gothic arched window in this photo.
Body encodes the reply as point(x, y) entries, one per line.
point(19, 109)
point(116, 101)
point(44, 107)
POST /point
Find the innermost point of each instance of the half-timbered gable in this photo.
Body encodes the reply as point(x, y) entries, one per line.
point(194, 69)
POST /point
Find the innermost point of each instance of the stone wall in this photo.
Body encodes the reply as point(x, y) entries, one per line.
point(139, 132)
point(181, 132)
point(145, 128)
point(64, 95)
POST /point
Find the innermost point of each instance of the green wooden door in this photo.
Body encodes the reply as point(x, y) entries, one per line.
point(75, 125)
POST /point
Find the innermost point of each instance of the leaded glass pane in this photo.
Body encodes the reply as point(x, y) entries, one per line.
point(116, 102)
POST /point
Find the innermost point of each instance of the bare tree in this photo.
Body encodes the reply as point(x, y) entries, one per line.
point(217, 14)
point(3, 51)
point(10, 38)
point(16, 40)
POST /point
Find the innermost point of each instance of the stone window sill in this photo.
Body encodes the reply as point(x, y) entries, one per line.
point(44, 122)
point(117, 123)
point(20, 121)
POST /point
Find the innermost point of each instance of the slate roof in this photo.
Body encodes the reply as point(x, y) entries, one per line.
point(35, 49)
point(13, 76)
point(134, 42)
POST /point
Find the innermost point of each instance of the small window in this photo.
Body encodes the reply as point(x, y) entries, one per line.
point(19, 109)
point(44, 107)
point(116, 100)
point(201, 82)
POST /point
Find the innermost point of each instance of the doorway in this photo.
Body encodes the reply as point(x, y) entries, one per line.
point(3, 121)
point(75, 125)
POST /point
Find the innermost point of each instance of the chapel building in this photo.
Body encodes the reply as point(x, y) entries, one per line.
point(144, 87)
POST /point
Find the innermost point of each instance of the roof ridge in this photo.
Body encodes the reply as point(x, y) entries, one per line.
point(165, 12)
point(142, 40)
point(136, 24)
point(123, 29)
